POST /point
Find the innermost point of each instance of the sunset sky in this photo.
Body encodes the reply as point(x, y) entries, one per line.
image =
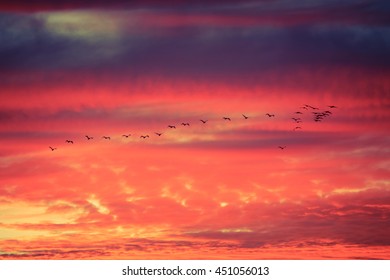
point(216, 190)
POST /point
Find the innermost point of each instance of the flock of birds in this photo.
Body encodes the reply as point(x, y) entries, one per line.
point(318, 116)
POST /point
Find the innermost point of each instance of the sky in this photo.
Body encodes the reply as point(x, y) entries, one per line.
point(252, 187)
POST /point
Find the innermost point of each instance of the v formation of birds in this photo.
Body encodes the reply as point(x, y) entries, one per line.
point(318, 116)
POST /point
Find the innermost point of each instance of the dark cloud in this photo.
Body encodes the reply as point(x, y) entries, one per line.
point(360, 218)
point(373, 12)
point(59, 253)
point(131, 116)
point(41, 5)
point(296, 141)
point(114, 249)
point(195, 50)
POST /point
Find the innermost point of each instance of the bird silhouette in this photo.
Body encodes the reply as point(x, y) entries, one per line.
point(282, 147)
point(52, 149)
point(69, 141)
point(158, 134)
point(172, 126)
point(227, 119)
point(185, 124)
point(126, 135)
point(88, 137)
point(299, 113)
point(107, 137)
point(297, 120)
point(144, 136)
point(245, 117)
point(320, 116)
point(332, 106)
point(270, 115)
point(204, 121)
point(297, 127)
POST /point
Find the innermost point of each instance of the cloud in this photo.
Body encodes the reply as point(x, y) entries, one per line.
point(341, 219)
point(72, 40)
point(271, 12)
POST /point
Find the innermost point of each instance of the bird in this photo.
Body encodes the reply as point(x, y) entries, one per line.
point(89, 137)
point(52, 149)
point(204, 121)
point(314, 108)
point(185, 124)
point(297, 120)
point(172, 126)
point(298, 112)
point(69, 141)
point(107, 137)
point(270, 115)
point(227, 119)
point(126, 135)
point(304, 107)
point(297, 127)
point(245, 117)
point(332, 106)
point(282, 147)
point(158, 134)
point(319, 116)
point(144, 136)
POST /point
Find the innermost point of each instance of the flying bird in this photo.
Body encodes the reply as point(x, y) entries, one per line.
point(107, 137)
point(297, 120)
point(204, 121)
point(69, 141)
point(297, 127)
point(270, 115)
point(332, 106)
point(172, 126)
point(158, 134)
point(282, 147)
point(299, 113)
point(52, 149)
point(245, 117)
point(227, 119)
point(126, 135)
point(185, 124)
point(89, 137)
point(144, 136)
